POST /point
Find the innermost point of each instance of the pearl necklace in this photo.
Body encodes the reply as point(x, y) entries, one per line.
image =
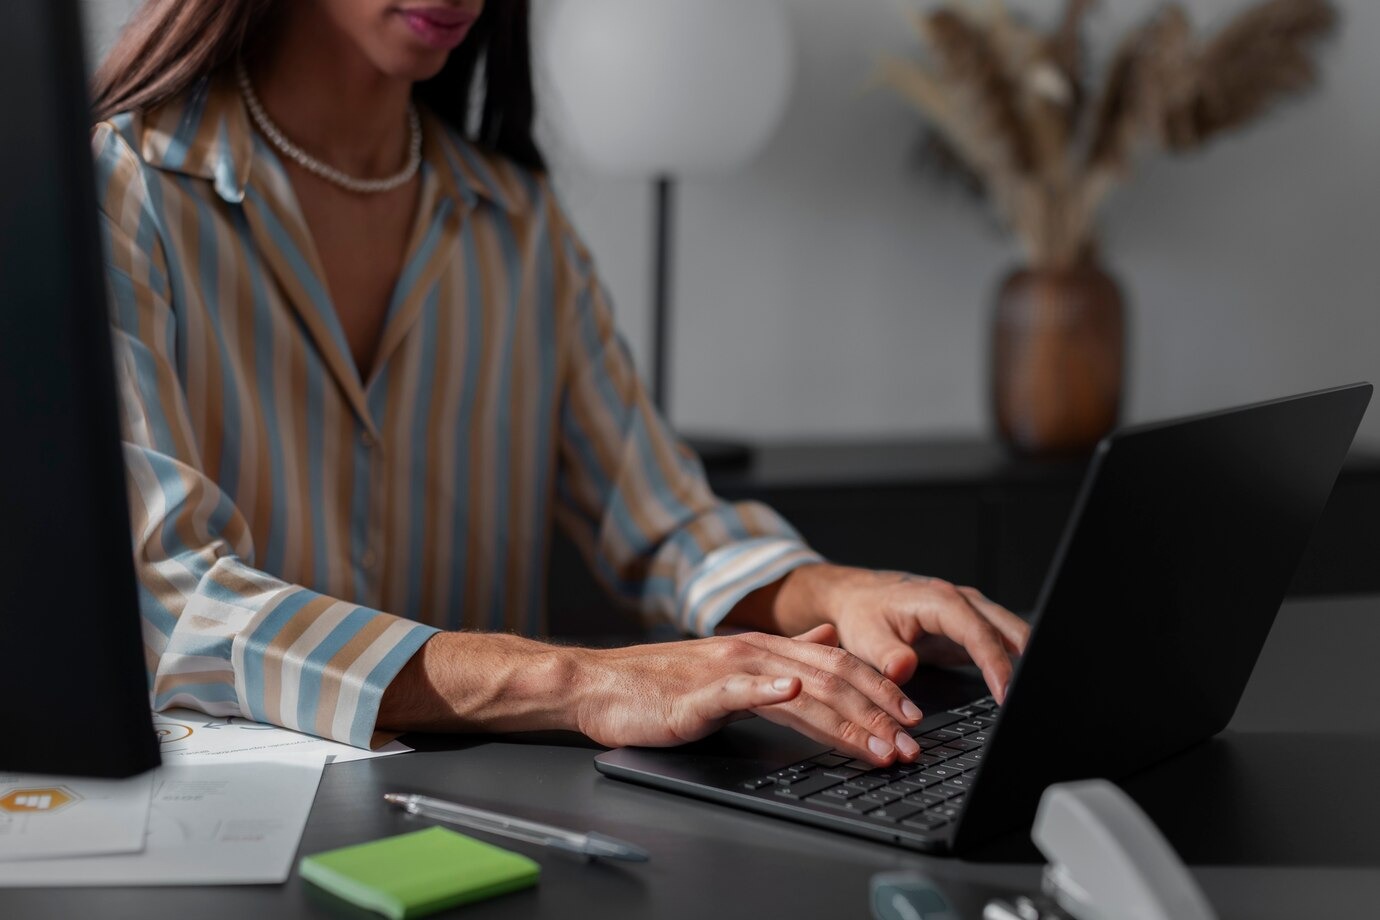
point(325, 170)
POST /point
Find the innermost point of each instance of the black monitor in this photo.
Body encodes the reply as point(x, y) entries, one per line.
point(73, 688)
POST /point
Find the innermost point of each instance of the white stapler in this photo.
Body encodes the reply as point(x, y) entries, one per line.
point(1107, 861)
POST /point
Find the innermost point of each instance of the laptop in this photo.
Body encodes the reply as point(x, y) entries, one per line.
point(1177, 555)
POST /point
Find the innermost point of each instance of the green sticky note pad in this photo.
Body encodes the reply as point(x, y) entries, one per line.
point(416, 874)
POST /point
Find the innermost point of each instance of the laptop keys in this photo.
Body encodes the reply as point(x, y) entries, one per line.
point(961, 783)
point(942, 753)
point(925, 799)
point(941, 772)
point(881, 797)
point(831, 760)
point(945, 791)
point(806, 786)
point(918, 782)
point(942, 736)
point(843, 793)
point(923, 795)
point(786, 776)
point(842, 772)
point(892, 773)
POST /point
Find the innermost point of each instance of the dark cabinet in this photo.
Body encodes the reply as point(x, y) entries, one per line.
point(964, 510)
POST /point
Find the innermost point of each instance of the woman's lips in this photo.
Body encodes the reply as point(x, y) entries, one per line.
point(438, 26)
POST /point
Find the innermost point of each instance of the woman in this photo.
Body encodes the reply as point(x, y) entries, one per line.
point(365, 362)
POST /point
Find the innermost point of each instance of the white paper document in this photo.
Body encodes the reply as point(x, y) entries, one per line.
point(209, 824)
point(47, 816)
point(187, 736)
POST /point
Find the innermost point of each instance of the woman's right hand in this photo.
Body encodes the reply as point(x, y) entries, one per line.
point(672, 693)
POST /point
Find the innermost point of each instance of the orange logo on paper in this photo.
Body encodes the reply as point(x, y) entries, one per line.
point(28, 801)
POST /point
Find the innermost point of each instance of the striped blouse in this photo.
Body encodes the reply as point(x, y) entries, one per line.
point(299, 532)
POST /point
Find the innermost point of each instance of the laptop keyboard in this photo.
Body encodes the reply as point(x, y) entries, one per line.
point(923, 796)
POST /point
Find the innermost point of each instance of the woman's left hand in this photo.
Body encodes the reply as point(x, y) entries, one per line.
point(893, 620)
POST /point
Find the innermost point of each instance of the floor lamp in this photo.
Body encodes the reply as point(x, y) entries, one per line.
point(666, 89)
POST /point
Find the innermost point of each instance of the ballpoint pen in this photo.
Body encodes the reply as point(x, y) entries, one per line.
point(589, 844)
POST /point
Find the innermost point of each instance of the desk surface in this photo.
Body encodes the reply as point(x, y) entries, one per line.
point(1307, 710)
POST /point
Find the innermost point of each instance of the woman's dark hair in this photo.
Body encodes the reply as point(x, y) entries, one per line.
point(170, 44)
point(501, 40)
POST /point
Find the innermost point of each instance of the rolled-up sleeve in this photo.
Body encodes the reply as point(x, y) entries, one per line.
point(220, 635)
point(633, 496)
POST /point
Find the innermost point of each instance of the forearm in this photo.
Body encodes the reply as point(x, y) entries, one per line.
point(483, 682)
point(790, 605)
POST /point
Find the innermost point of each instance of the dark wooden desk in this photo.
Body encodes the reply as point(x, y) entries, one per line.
point(1279, 810)
point(965, 510)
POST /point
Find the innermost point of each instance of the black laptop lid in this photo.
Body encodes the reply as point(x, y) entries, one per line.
point(1174, 563)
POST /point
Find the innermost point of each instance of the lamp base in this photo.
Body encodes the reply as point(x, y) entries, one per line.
point(720, 453)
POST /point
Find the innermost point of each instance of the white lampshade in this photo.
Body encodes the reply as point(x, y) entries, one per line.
point(669, 87)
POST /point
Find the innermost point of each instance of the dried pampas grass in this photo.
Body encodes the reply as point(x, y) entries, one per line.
point(1254, 62)
point(1010, 110)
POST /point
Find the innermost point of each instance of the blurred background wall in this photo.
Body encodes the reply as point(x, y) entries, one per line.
point(830, 291)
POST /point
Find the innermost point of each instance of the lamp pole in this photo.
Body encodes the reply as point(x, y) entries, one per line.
point(714, 453)
point(663, 205)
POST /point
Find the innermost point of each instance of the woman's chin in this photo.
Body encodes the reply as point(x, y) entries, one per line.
point(411, 63)
point(408, 55)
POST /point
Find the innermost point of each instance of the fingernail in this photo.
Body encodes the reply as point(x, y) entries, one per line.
point(906, 744)
point(878, 746)
point(781, 683)
point(910, 711)
point(998, 688)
